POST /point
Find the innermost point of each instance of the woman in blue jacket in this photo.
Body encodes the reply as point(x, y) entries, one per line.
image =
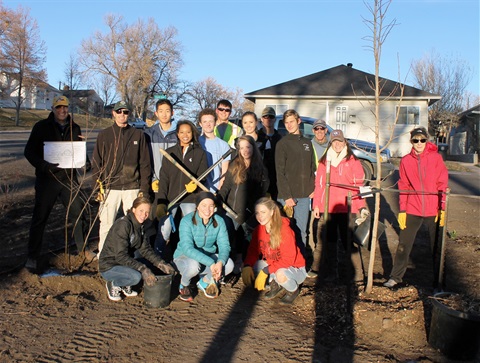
point(203, 249)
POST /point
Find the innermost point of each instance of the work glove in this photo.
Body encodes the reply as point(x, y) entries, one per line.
point(140, 194)
point(167, 268)
point(148, 277)
point(248, 276)
point(101, 192)
point(191, 187)
point(363, 215)
point(288, 211)
point(402, 220)
point(161, 211)
point(50, 168)
point(155, 186)
point(441, 215)
point(261, 280)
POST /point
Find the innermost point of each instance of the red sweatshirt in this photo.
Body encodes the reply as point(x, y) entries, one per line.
point(348, 172)
point(287, 255)
point(423, 173)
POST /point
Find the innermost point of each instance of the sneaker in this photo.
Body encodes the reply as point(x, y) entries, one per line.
point(312, 274)
point(185, 293)
point(128, 291)
point(290, 297)
point(275, 290)
point(113, 291)
point(390, 283)
point(209, 289)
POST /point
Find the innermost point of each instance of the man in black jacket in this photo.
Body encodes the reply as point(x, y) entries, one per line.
point(121, 165)
point(52, 182)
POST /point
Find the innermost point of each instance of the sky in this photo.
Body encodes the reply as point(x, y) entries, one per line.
point(252, 44)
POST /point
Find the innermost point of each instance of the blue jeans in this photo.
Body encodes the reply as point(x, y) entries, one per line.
point(122, 276)
point(165, 226)
point(301, 215)
point(295, 276)
point(189, 268)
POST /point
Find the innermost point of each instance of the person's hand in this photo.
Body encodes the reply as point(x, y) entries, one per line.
point(362, 216)
point(191, 187)
point(261, 280)
point(216, 269)
point(148, 277)
point(248, 276)
point(101, 192)
point(402, 220)
point(167, 268)
point(50, 167)
point(316, 212)
point(290, 202)
point(161, 211)
point(155, 186)
point(441, 216)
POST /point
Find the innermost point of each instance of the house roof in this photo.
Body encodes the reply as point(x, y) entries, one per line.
point(473, 110)
point(80, 93)
point(338, 82)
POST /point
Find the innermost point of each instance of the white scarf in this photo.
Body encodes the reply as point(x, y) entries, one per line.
point(335, 158)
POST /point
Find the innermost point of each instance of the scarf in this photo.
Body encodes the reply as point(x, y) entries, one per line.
point(335, 158)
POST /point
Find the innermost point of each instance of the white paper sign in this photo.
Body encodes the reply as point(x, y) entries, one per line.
point(67, 154)
point(366, 189)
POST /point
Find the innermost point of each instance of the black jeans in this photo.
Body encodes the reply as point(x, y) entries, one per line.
point(46, 193)
point(405, 245)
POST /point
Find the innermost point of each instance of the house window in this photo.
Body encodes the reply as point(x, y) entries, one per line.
point(279, 109)
point(408, 115)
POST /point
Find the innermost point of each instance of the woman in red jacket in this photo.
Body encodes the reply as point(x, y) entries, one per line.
point(424, 173)
point(345, 170)
point(273, 241)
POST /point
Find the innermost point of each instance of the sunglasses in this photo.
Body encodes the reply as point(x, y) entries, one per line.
point(319, 128)
point(125, 112)
point(415, 141)
point(269, 116)
point(224, 109)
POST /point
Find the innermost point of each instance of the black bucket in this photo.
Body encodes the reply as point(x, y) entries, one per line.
point(456, 334)
point(158, 295)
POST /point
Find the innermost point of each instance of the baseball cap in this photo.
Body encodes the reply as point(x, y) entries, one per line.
point(119, 105)
point(268, 111)
point(418, 131)
point(60, 101)
point(320, 123)
point(337, 135)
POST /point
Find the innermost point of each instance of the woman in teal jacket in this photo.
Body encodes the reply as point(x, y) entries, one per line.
point(203, 249)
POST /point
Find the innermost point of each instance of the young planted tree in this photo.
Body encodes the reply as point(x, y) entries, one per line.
point(22, 55)
point(380, 28)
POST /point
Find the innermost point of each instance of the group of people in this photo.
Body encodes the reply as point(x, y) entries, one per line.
point(239, 196)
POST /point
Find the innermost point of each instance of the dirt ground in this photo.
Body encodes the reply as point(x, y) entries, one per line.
point(68, 317)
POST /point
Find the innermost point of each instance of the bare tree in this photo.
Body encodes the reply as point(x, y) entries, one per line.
point(447, 76)
point(72, 73)
point(22, 55)
point(380, 29)
point(104, 85)
point(207, 92)
point(142, 59)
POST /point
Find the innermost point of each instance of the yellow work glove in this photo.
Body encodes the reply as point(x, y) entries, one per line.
point(288, 211)
point(261, 280)
point(155, 186)
point(248, 276)
point(441, 214)
point(161, 211)
point(402, 220)
point(101, 192)
point(191, 187)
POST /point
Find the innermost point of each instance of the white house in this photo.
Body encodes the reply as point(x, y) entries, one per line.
point(36, 95)
point(343, 98)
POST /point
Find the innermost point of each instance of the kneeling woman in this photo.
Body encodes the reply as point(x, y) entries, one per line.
point(117, 264)
point(203, 249)
point(274, 240)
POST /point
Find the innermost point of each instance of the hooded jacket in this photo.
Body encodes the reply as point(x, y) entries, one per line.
point(427, 174)
point(156, 140)
point(348, 172)
point(172, 180)
point(286, 255)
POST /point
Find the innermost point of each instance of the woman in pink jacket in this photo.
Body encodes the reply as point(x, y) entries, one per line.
point(346, 170)
point(424, 173)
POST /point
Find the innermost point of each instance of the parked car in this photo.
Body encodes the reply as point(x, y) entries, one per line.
point(138, 123)
point(365, 151)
